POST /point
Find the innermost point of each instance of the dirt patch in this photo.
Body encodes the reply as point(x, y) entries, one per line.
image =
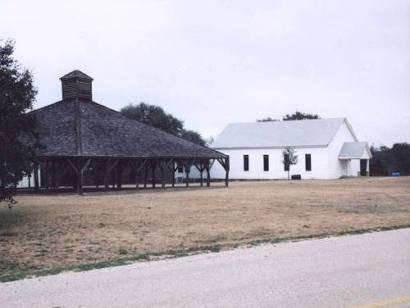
point(46, 232)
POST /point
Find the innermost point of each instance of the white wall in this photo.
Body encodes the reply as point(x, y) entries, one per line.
point(337, 167)
point(276, 168)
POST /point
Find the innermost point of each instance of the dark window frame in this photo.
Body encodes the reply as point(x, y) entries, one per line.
point(245, 162)
point(265, 162)
point(308, 162)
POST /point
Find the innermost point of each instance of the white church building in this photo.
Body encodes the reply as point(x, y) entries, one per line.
point(326, 149)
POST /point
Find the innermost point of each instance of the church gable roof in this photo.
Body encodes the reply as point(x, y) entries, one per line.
point(296, 133)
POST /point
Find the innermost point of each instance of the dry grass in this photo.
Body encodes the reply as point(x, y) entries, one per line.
point(63, 230)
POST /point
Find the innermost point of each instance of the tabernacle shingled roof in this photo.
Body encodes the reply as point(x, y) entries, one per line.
point(85, 128)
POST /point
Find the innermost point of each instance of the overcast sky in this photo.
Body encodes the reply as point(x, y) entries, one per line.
point(211, 63)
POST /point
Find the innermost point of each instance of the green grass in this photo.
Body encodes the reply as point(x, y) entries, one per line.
point(174, 253)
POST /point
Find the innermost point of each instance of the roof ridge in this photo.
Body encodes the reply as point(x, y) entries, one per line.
point(286, 121)
point(309, 132)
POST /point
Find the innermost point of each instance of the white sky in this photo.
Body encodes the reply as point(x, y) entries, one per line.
point(211, 63)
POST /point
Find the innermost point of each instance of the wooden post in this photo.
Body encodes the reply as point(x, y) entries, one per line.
point(119, 172)
point(36, 168)
point(80, 183)
point(114, 177)
point(227, 172)
point(153, 173)
point(79, 177)
point(96, 174)
point(186, 176)
point(53, 175)
point(225, 164)
point(208, 175)
point(136, 174)
point(161, 165)
point(108, 168)
point(171, 165)
point(139, 166)
point(48, 175)
point(106, 174)
point(82, 168)
point(145, 176)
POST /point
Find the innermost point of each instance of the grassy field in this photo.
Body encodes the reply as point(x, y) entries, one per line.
point(52, 232)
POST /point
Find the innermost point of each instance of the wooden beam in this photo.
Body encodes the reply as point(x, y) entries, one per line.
point(86, 164)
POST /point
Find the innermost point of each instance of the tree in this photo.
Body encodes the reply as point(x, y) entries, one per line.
point(192, 136)
point(401, 155)
point(17, 95)
point(289, 158)
point(154, 116)
point(387, 160)
point(267, 119)
point(300, 116)
point(157, 117)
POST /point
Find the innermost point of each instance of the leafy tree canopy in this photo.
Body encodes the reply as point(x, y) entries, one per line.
point(300, 116)
point(17, 95)
point(192, 136)
point(387, 160)
point(290, 117)
point(157, 117)
point(154, 116)
point(267, 119)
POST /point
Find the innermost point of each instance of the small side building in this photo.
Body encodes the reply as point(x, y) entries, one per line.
point(326, 149)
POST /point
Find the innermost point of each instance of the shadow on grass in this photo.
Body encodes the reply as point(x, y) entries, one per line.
point(9, 219)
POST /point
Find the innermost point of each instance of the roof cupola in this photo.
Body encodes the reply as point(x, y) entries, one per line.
point(77, 85)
